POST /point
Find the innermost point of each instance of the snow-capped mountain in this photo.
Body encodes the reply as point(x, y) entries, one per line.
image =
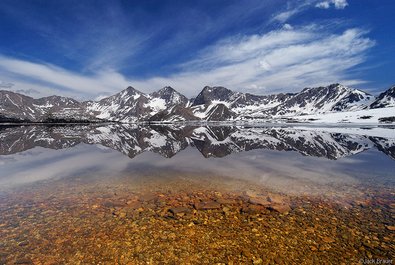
point(385, 99)
point(211, 141)
point(17, 108)
point(131, 105)
point(219, 103)
point(168, 97)
point(211, 104)
point(127, 105)
point(333, 98)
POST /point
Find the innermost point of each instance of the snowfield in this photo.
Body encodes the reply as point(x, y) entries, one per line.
point(366, 116)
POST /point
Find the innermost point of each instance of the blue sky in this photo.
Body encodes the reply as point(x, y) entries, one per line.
point(89, 49)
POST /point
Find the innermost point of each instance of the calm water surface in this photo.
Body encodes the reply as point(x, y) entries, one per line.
point(196, 194)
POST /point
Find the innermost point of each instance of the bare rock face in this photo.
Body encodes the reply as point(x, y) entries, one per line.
point(210, 94)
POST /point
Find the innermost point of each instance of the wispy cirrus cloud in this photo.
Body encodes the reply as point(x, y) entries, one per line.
point(100, 37)
point(51, 79)
point(296, 7)
point(289, 58)
point(292, 8)
point(268, 63)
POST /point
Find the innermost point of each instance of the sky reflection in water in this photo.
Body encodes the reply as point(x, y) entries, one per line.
point(283, 159)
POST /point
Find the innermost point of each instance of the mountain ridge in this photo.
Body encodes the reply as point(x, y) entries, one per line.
point(211, 104)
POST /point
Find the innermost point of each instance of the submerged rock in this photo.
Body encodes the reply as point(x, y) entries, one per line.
point(281, 208)
point(208, 205)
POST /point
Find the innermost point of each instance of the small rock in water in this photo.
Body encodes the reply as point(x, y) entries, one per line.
point(210, 205)
point(147, 197)
point(23, 243)
point(275, 198)
point(122, 214)
point(328, 239)
point(134, 204)
point(252, 209)
point(250, 193)
point(178, 210)
point(281, 208)
point(23, 261)
point(259, 200)
point(391, 228)
point(226, 201)
point(257, 261)
point(225, 209)
point(111, 204)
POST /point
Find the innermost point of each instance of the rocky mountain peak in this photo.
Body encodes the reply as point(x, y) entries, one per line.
point(167, 90)
point(170, 96)
point(132, 91)
point(385, 99)
point(332, 88)
point(209, 94)
point(57, 101)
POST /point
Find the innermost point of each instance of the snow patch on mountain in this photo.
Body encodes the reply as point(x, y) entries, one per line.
point(365, 116)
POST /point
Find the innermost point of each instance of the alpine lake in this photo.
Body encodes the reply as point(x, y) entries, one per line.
point(197, 194)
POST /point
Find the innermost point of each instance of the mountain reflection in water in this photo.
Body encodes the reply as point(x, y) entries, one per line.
point(287, 159)
point(211, 141)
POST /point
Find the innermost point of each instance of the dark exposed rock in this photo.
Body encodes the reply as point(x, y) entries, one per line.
point(209, 94)
point(385, 99)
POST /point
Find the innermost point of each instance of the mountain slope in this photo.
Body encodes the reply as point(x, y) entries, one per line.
point(126, 106)
point(131, 105)
point(385, 99)
point(211, 104)
point(18, 107)
point(331, 98)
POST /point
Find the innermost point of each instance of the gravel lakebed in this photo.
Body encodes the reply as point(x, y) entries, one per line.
point(192, 221)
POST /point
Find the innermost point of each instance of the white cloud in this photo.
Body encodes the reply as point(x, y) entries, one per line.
point(280, 60)
point(5, 85)
point(338, 4)
point(277, 61)
point(50, 79)
point(284, 16)
point(323, 5)
point(29, 91)
point(293, 8)
point(287, 27)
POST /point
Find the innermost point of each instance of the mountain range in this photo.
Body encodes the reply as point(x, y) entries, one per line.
point(211, 141)
point(211, 104)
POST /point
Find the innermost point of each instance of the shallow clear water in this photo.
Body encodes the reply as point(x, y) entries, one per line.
point(54, 178)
